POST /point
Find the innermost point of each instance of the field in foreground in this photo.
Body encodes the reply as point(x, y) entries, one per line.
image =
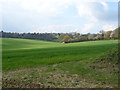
point(33, 63)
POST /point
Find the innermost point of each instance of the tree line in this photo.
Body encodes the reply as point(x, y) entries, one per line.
point(102, 35)
point(36, 36)
point(65, 37)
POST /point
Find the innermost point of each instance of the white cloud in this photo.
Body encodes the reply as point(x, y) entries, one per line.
point(42, 7)
point(85, 9)
point(55, 7)
point(87, 28)
point(7, 1)
point(92, 10)
point(55, 28)
point(108, 27)
point(105, 5)
point(65, 28)
point(45, 7)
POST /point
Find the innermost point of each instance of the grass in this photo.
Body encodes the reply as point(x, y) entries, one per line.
point(51, 64)
point(33, 52)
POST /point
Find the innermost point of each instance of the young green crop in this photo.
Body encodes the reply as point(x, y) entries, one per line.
point(19, 53)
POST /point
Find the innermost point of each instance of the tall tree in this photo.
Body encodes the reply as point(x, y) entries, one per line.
point(107, 35)
point(66, 38)
point(102, 32)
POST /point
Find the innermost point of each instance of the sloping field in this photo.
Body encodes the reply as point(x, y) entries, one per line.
point(42, 64)
point(25, 53)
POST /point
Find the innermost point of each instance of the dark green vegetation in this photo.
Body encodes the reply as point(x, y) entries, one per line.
point(35, 36)
point(33, 63)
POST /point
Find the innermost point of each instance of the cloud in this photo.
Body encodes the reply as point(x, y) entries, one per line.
point(93, 14)
point(91, 9)
point(96, 11)
point(54, 6)
point(42, 7)
point(108, 27)
point(85, 11)
point(87, 28)
point(45, 7)
point(55, 28)
point(104, 5)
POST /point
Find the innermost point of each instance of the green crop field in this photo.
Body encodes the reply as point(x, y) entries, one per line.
point(22, 54)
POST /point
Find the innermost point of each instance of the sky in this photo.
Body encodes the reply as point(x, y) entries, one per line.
point(58, 16)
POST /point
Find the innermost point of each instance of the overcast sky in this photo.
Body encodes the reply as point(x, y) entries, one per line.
point(59, 15)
